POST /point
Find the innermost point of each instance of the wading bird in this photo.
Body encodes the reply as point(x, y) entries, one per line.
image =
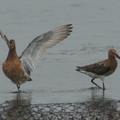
point(102, 68)
point(18, 69)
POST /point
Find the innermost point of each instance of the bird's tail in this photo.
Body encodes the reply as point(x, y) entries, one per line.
point(30, 79)
point(78, 68)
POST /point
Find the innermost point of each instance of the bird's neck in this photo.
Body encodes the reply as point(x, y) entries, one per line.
point(12, 54)
point(113, 61)
point(112, 57)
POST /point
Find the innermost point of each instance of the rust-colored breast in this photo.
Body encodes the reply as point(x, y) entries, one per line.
point(13, 70)
point(12, 67)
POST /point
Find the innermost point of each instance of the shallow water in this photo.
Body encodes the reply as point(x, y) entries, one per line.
point(96, 30)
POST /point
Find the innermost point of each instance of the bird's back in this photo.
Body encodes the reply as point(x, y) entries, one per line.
point(100, 68)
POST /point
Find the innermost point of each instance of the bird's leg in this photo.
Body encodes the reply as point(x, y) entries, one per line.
point(18, 86)
point(103, 86)
point(95, 83)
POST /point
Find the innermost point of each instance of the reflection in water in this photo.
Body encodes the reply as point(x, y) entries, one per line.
point(16, 108)
point(97, 94)
point(98, 106)
point(103, 109)
point(21, 108)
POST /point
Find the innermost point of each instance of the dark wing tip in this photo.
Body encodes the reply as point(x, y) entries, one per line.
point(69, 24)
point(70, 31)
point(70, 27)
point(30, 79)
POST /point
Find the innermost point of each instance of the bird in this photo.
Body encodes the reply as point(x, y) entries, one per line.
point(18, 68)
point(101, 69)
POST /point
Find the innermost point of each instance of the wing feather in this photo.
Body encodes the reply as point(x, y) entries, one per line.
point(100, 68)
point(38, 46)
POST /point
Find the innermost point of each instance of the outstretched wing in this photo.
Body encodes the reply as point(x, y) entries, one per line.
point(38, 46)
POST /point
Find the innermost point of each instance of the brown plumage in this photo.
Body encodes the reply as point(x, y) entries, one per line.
point(101, 69)
point(18, 69)
point(12, 67)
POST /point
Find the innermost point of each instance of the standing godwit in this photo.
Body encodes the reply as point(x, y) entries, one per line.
point(18, 69)
point(101, 69)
